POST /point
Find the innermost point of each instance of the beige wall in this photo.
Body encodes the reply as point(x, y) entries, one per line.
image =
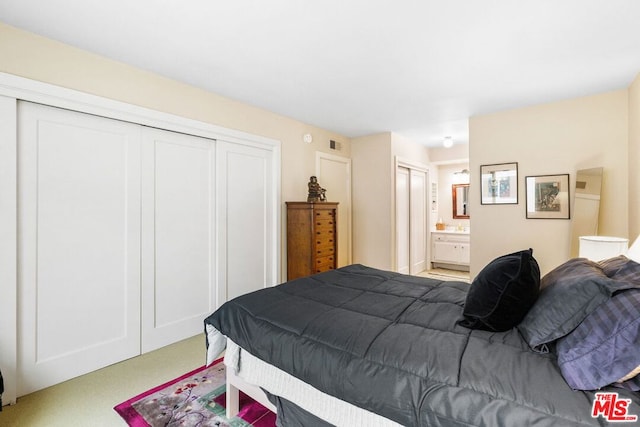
point(407, 150)
point(555, 138)
point(34, 57)
point(459, 153)
point(634, 159)
point(372, 169)
point(373, 164)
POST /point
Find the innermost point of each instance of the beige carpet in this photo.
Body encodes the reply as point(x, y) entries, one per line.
point(444, 274)
point(88, 401)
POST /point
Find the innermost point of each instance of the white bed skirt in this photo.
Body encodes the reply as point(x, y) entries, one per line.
point(255, 371)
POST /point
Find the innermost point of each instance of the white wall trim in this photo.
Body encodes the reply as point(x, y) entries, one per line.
point(44, 93)
point(405, 163)
point(8, 246)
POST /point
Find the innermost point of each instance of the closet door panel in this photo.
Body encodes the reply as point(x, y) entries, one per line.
point(418, 221)
point(246, 214)
point(178, 226)
point(411, 220)
point(79, 228)
point(403, 229)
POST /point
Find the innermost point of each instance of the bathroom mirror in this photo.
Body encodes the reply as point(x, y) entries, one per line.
point(460, 197)
point(586, 206)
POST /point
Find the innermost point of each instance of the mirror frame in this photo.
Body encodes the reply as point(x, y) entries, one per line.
point(587, 202)
point(454, 199)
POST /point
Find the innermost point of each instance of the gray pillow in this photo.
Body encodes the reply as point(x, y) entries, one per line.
point(569, 293)
point(605, 347)
point(622, 269)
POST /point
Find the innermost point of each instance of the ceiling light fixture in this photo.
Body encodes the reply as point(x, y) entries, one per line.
point(448, 142)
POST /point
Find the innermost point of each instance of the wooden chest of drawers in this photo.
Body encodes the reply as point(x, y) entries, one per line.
point(312, 241)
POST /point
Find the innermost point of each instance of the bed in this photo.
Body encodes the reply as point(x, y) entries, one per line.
point(363, 346)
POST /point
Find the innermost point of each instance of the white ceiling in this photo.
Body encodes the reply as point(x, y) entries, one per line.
point(420, 68)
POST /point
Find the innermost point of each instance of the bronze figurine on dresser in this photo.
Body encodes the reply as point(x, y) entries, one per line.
point(316, 192)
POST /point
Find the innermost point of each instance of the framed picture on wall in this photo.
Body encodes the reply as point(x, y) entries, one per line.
point(499, 184)
point(548, 196)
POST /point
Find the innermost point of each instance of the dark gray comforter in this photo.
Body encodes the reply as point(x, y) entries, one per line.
point(390, 343)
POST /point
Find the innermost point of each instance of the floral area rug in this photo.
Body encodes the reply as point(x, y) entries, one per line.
point(194, 399)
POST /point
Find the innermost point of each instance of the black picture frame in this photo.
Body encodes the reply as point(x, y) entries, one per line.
point(548, 196)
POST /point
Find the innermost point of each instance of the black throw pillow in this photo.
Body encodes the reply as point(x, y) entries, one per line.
point(502, 293)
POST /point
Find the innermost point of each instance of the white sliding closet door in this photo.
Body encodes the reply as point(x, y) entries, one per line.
point(418, 220)
point(403, 231)
point(248, 249)
point(125, 237)
point(178, 253)
point(411, 220)
point(78, 244)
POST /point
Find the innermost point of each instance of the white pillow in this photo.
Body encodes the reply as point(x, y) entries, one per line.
point(634, 251)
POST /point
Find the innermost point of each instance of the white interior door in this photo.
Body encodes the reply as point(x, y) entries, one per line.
point(403, 230)
point(247, 214)
point(79, 244)
point(334, 174)
point(178, 236)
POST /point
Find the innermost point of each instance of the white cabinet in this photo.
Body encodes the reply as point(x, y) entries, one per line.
point(450, 249)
